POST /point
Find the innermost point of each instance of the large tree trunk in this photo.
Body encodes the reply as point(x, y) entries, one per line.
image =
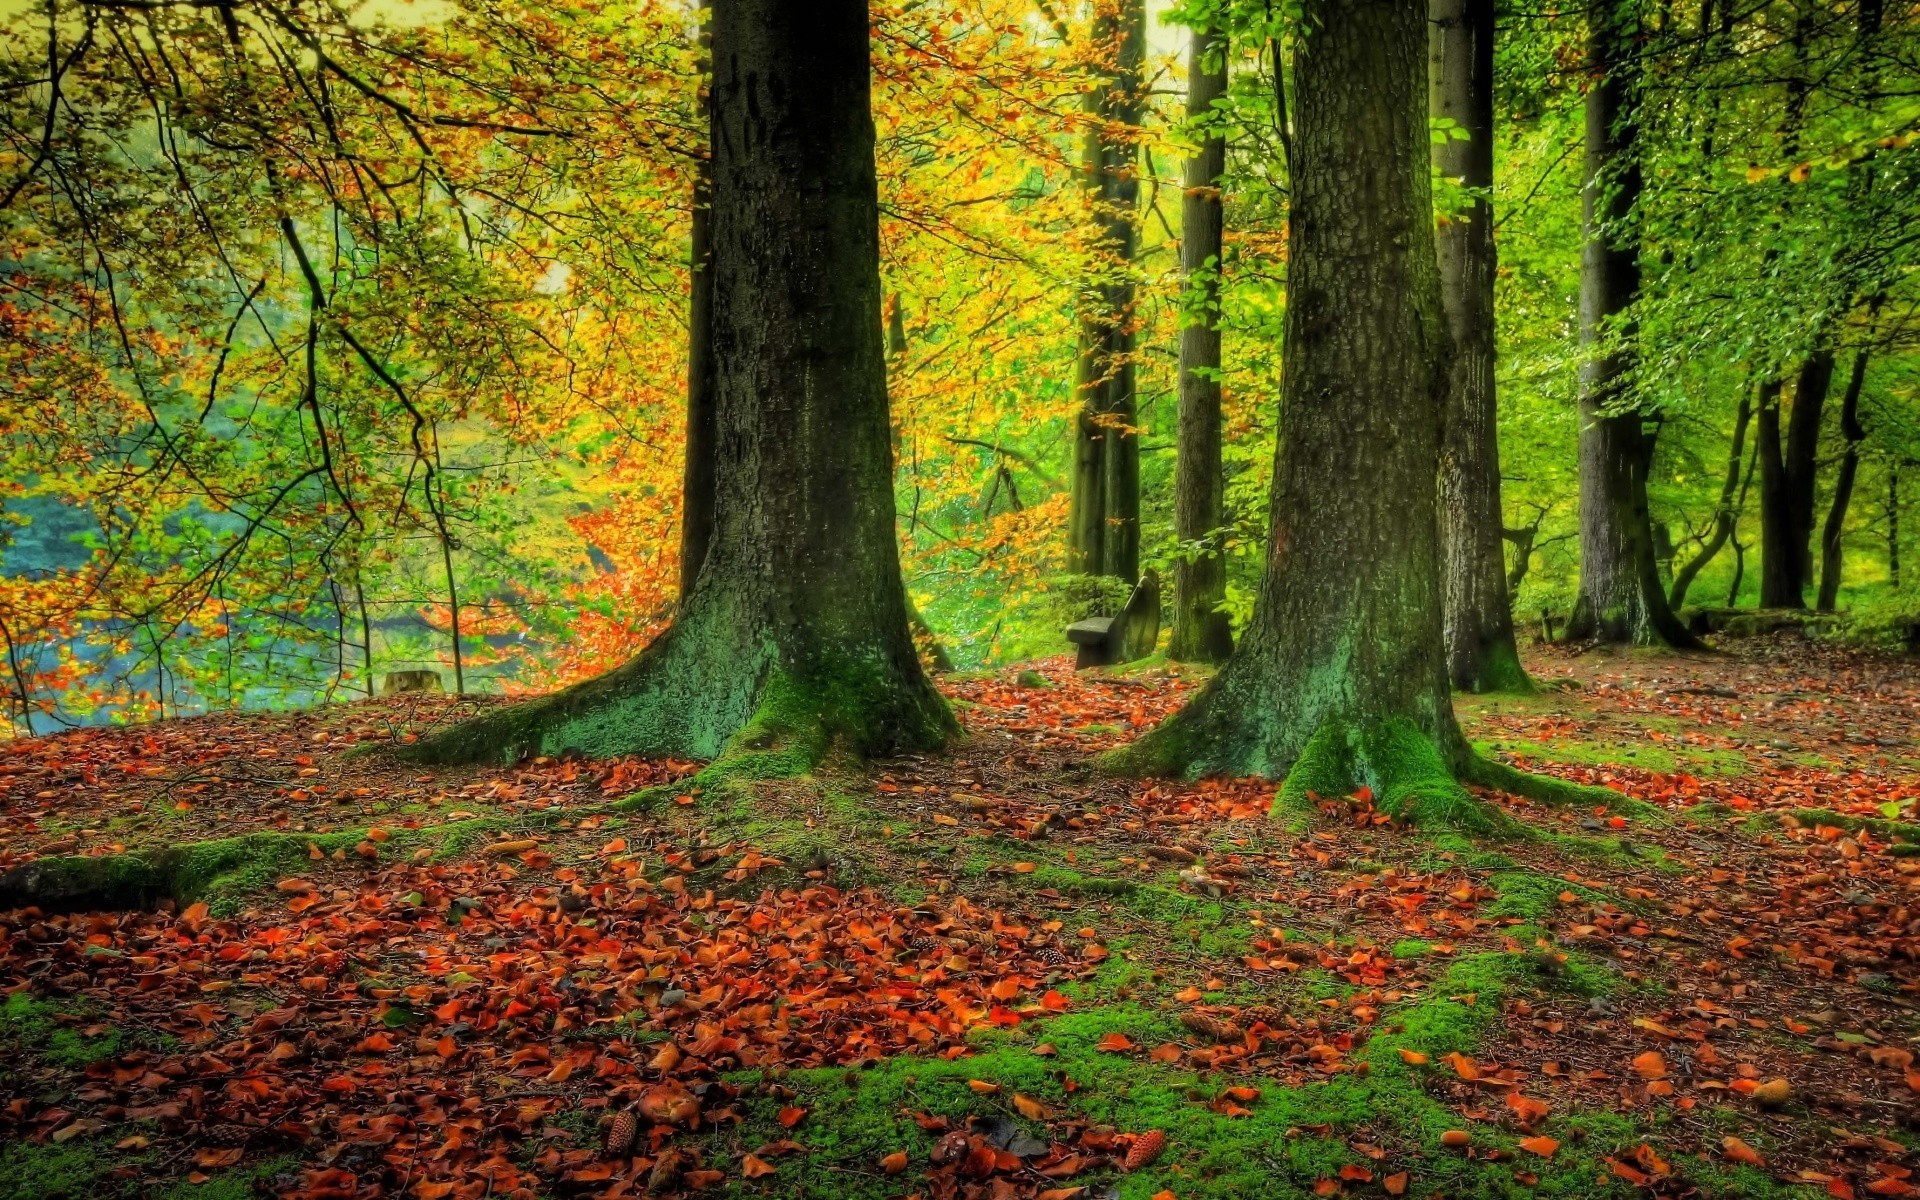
point(795, 632)
point(1620, 598)
point(1200, 631)
point(1104, 520)
point(1341, 678)
point(1833, 534)
point(696, 508)
point(1481, 654)
point(1724, 514)
point(1789, 472)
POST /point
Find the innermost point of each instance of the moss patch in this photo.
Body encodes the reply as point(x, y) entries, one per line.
point(1293, 1138)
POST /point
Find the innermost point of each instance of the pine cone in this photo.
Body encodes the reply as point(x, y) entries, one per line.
point(1145, 1149)
point(1051, 956)
point(1209, 1027)
point(1263, 1014)
point(621, 1135)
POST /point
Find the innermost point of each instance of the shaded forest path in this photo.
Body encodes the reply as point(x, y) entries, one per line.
point(996, 973)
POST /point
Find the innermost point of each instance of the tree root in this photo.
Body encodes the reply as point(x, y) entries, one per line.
point(698, 693)
point(222, 868)
point(1408, 773)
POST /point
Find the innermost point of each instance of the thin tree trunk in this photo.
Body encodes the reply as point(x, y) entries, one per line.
point(794, 638)
point(1201, 632)
point(1723, 514)
point(1104, 519)
point(366, 632)
point(1620, 598)
point(1789, 470)
point(1733, 534)
point(1893, 523)
point(1481, 653)
point(941, 662)
point(696, 518)
point(1832, 535)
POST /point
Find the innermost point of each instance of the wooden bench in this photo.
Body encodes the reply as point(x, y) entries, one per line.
point(1129, 636)
point(400, 682)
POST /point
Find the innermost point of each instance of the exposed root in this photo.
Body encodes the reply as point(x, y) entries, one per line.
point(698, 692)
point(223, 869)
point(1490, 773)
point(1411, 776)
point(1411, 780)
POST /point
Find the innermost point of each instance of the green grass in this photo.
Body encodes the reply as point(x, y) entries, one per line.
point(34, 1027)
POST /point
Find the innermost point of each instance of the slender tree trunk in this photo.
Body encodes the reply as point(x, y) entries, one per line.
point(1481, 653)
point(1200, 631)
point(1733, 533)
point(1341, 678)
point(1620, 598)
point(366, 632)
point(1104, 520)
point(696, 516)
point(1832, 535)
point(1789, 470)
point(795, 633)
point(896, 348)
point(1723, 514)
point(1893, 523)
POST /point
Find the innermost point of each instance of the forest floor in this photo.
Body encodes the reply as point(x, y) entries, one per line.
point(998, 973)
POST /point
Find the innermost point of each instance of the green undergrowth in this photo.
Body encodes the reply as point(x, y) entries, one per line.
point(1293, 1138)
point(88, 1169)
point(38, 1029)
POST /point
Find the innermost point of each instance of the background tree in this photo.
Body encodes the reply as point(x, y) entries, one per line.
point(1621, 598)
point(1481, 653)
point(1201, 631)
point(1104, 521)
point(796, 629)
point(1341, 681)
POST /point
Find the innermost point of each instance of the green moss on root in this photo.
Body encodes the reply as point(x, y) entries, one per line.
point(222, 871)
point(1410, 779)
point(1893, 831)
point(1490, 773)
point(697, 692)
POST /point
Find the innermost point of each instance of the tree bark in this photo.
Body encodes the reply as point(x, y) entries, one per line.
point(1200, 631)
point(1723, 514)
point(1481, 653)
point(1341, 679)
point(1834, 532)
point(696, 515)
point(1620, 598)
point(794, 637)
point(1104, 518)
point(1789, 472)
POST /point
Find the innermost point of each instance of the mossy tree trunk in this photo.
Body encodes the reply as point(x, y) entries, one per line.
point(1104, 518)
point(1620, 598)
point(1201, 632)
point(696, 509)
point(1481, 653)
point(795, 631)
point(1340, 679)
